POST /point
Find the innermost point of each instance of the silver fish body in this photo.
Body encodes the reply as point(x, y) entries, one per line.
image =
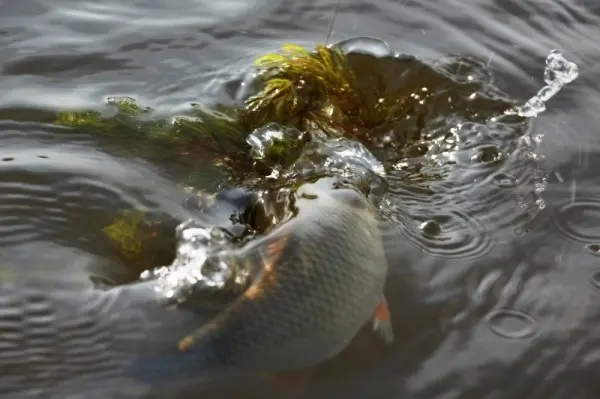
point(322, 277)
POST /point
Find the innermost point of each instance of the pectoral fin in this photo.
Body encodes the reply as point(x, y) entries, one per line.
point(382, 325)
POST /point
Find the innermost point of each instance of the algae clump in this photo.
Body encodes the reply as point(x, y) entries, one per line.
point(128, 231)
point(304, 87)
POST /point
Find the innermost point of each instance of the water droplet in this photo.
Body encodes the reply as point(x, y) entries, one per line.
point(512, 324)
point(504, 180)
point(559, 70)
point(594, 249)
point(558, 73)
point(579, 220)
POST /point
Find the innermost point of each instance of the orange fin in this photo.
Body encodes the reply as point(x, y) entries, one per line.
point(382, 325)
point(186, 343)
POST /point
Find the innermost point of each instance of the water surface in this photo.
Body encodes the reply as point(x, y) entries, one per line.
point(494, 290)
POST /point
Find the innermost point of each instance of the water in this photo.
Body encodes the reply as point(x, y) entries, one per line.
point(493, 291)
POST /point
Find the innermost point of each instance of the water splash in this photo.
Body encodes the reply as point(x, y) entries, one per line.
point(558, 73)
point(341, 158)
point(198, 262)
point(205, 255)
point(273, 145)
point(296, 156)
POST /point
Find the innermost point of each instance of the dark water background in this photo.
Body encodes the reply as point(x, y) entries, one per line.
point(509, 312)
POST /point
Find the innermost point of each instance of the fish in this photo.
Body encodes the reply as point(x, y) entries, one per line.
point(320, 278)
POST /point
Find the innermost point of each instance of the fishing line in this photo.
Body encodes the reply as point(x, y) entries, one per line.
point(335, 13)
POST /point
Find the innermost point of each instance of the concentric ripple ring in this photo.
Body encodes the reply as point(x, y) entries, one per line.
point(579, 220)
point(448, 234)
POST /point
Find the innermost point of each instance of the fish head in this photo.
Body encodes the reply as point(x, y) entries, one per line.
point(345, 197)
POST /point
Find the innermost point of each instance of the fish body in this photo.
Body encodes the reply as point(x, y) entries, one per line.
point(321, 277)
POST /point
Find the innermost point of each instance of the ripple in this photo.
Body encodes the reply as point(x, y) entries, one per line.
point(504, 180)
point(579, 220)
point(512, 324)
point(65, 65)
point(62, 196)
point(54, 206)
point(448, 234)
point(488, 154)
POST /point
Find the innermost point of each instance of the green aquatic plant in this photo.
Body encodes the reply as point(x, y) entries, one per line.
point(122, 118)
point(128, 231)
point(217, 134)
point(302, 86)
point(125, 119)
point(142, 241)
point(338, 93)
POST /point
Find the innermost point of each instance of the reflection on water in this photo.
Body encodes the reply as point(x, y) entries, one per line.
point(490, 297)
